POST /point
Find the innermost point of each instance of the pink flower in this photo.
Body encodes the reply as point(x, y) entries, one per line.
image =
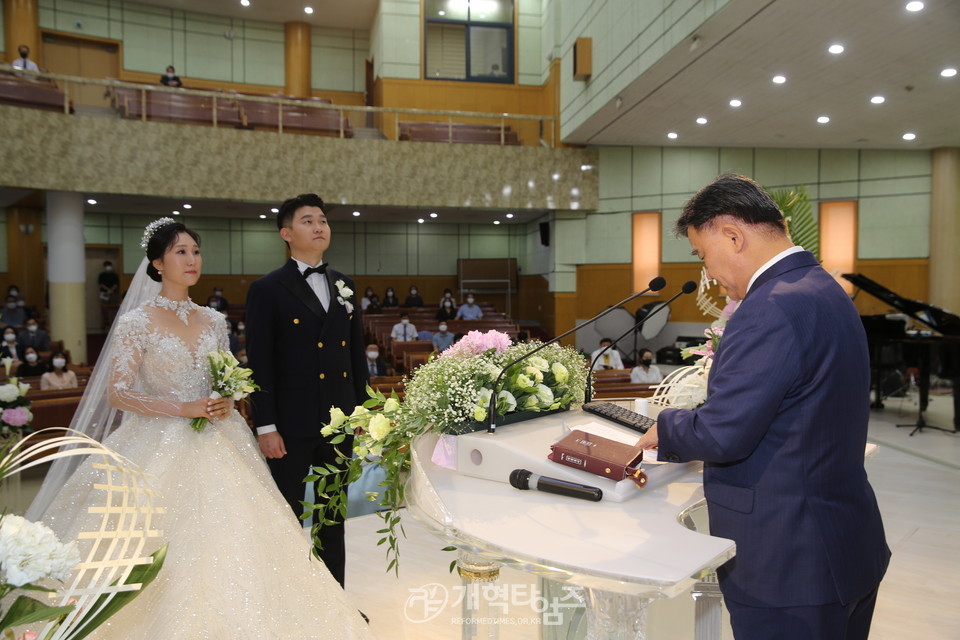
point(477, 342)
point(29, 635)
point(16, 417)
point(729, 309)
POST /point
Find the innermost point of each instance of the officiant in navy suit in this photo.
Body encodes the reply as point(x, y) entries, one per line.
point(783, 429)
point(305, 346)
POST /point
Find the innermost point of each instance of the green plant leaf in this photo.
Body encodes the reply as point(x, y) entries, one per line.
point(27, 610)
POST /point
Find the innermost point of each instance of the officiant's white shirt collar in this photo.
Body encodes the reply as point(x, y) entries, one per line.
point(772, 261)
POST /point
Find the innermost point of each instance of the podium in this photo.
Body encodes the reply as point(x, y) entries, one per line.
point(615, 555)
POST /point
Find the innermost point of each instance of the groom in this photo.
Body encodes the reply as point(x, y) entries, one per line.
point(305, 345)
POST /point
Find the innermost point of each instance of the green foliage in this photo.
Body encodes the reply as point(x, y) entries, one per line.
point(802, 222)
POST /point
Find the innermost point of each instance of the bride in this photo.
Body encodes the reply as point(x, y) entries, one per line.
point(238, 564)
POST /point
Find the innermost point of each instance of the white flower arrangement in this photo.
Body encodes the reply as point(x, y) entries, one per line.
point(15, 415)
point(30, 551)
point(449, 394)
point(343, 295)
point(230, 380)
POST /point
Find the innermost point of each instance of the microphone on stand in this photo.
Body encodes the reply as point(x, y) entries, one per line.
point(654, 285)
point(688, 287)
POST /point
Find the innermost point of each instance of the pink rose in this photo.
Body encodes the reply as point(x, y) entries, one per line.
point(16, 417)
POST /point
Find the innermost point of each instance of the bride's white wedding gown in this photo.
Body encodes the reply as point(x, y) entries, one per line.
point(238, 564)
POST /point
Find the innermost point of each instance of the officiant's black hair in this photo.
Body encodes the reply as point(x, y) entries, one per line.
point(161, 240)
point(731, 195)
point(287, 209)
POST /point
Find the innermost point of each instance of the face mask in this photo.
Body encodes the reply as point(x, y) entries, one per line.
point(390, 293)
point(14, 292)
point(373, 355)
point(405, 321)
point(11, 305)
point(108, 268)
point(169, 75)
point(647, 361)
point(413, 292)
point(32, 328)
point(9, 337)
point(218, 293)
point(442, 328)
point(19, 303)
point(59, 363)
point(31, 358)
point(241, 328)
point(469, 300)
point(446, 295)
point(369, 294)
point(24, 54)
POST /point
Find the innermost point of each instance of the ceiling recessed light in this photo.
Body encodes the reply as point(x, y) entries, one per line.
point(914, 6)
point(496, 222)
point(263, 216)
point(909, 136)
point(835, 49)
point(735, 103)
point(308, 10)
point(441, 12)
point(433, 215)
point(672, 135)
point(356, 214)
point(583, 167)
point(274, 210)
point(176, 213)
point(823, 119)
point(878, 99)
point(420, 220)
point(779, 79)
point(701, 120)
point(91, 201)
point(188, 206)
point(556, 176)
point(509, 215)
point(949, 72)
point(245, 3)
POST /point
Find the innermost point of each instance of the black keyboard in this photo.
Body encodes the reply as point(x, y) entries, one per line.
point(615, 413)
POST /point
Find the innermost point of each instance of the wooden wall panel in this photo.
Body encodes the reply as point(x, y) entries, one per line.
point(565, 316)
point(601, 285)
point(909, 278)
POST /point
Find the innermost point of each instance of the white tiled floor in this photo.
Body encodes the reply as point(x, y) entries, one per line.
point(917, 480)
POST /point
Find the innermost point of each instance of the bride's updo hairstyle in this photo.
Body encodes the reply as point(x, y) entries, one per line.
point(159, 237)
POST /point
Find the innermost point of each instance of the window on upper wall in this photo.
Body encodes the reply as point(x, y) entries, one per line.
point(469, 40)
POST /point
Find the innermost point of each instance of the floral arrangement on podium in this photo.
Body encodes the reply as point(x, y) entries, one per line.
point(15, 416)
point(449, 395)
point(115, 569)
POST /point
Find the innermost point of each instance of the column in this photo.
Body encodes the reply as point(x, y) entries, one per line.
point(20, 26)
point(945, 229)
point(296, 58)
point(66, 272)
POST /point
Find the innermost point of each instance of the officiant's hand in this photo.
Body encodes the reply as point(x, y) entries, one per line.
point(271, 444)
point(650, 438)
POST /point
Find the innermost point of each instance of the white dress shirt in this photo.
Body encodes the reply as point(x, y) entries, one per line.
point(609, 360)
point(28, 64)
point(638, 375)
point(318, 283)
point(404, 332)
point(772, 261)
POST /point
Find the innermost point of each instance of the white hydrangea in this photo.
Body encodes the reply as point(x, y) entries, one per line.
point(9, 393)
point(30, 551)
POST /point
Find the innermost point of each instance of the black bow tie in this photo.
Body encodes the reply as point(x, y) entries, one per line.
point(309, 270)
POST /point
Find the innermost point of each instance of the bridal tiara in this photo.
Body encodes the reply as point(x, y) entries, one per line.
point(152, 229)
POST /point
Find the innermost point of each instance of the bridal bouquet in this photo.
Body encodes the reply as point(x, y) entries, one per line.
point(15, 413)
point(450, 395)
point(230, 380)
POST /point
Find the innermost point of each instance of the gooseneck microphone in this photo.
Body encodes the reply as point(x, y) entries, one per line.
point(654, 285)
point(688, 287)
point(523, 479)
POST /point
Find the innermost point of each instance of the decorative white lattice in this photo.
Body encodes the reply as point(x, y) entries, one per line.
point(705, 301)
point(127, 513)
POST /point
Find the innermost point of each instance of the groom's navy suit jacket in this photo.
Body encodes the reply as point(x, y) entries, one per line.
point(782, 437)
point(306, 360)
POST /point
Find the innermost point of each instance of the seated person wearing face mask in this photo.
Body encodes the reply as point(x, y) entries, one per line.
point(448, 295)
point(442, 338)
point(13, 313)
point(31, 366)
point(365, 300)
point(469, 310)
point(447, 310)
point(10, 348)
point(646, 371)
point(610, 359)
point(217, 301)
point(375, 367)
point(59, 377)
point(242, 358)
point(34, 336)
point(404, 331)
point(389, 299)
point(170, 78)
point(414, 299)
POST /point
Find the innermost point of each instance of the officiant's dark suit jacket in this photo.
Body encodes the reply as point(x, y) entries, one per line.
point(782, 437)
point(306, 360)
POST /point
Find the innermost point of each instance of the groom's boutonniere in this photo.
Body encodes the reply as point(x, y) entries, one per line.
point(343, 293)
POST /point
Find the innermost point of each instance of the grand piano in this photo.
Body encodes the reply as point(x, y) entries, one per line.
point(937, 347)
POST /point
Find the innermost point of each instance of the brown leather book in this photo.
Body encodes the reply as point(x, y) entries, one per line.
point(600, 456)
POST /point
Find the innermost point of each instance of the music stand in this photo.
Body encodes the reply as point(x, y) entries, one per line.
point(924, 384)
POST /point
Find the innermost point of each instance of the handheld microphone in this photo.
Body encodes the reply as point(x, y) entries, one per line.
point(654, 285)
point(688, 287)
point(523, 479)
